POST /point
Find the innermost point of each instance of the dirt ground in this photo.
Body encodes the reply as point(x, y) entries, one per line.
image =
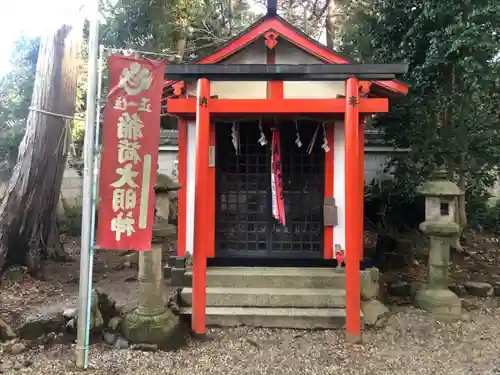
point(20, 294)
point(410, 343)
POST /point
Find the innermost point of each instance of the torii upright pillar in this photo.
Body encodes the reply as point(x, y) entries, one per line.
point(201, 206)
point(353, 210)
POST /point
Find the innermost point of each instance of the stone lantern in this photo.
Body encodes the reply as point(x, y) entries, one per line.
point(151, 322)
point(440, 206)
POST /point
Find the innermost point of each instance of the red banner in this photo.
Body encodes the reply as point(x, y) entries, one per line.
point(129, 155)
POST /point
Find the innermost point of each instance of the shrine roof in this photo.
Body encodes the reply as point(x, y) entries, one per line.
point(293, 35)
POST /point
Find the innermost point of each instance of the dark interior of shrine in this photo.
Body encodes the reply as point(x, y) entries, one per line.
point(246, 232)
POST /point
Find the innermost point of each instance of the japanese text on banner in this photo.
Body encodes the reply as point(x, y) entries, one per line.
point(130, 154)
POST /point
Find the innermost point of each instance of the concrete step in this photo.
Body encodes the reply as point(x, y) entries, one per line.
point(269, 297)
point(273, 277)
point(271, 317)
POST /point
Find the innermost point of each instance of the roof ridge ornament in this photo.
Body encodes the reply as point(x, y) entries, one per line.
point(271, 38)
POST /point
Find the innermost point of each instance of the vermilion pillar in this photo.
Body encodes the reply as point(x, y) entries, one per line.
point(362, 122)
point(329, 170)
point(201, 206)
point(353, 211)
point(182, 175)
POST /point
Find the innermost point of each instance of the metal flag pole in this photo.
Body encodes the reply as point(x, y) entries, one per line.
point(87, 246)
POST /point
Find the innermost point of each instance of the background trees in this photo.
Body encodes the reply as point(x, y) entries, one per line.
point(16, 88)
point(451, 116)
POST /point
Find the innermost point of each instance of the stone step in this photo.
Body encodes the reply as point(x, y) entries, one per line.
point(271, 317)
point(274, 277)
point(269, 297)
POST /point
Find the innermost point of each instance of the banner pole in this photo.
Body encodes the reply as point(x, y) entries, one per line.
point(87, 246)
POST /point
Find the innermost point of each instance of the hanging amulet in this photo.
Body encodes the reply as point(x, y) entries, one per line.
point(298, 142)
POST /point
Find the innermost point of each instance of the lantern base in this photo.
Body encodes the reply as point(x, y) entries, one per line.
point(442, 303)
point(140, 328)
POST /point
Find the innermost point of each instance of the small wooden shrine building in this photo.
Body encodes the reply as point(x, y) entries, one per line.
point(271, 157)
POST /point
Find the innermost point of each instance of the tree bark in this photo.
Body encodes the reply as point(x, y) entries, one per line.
point(330, 24)
point(28, 229)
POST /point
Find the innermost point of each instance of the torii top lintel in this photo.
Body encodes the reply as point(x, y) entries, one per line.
point(284, 30)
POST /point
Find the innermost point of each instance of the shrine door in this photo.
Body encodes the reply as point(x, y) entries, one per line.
point(244, 223)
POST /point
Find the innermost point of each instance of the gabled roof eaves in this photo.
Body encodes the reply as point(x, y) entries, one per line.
point(294, 36)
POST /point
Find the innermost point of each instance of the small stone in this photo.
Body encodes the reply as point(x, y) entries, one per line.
point(466, 317)
point(6, 332)
point(466, 305)
point(18, 366)
point(496, 289)
point(145, 347)
point(4, 367)
point(121, 343)
point(109, 338)
point(33, 326)
point(10, 344)
point(17, 348)
point(479, 289)
point(70, 313)
point(114, 323)
point(399, 289)
point(374, 312)
point(414, 288)
point(71, 325)
point(458, 289)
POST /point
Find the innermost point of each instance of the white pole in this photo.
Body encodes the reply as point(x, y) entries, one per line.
point(87, 246)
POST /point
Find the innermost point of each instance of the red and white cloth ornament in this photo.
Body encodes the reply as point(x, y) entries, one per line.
point(278, 206)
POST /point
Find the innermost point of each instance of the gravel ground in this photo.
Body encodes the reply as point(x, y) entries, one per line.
point(410, 343)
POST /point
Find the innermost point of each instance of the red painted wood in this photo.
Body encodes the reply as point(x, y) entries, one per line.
point(353, 211)
point(184, 107)
point(329, 173)
point(274, 88)
point(201, 210)
point(289, 33)
point(182, 175)
point(361, 170)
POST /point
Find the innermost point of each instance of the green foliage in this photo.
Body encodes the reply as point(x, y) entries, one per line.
point(16, 88)
point(71, 222)
point(183, 28)
point(450, 116)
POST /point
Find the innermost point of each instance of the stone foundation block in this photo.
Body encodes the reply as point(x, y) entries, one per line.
point(167, 272)
point(369, 284)
point(177, 262)
point(374, 312)
point(177, 277)
point(442, 303)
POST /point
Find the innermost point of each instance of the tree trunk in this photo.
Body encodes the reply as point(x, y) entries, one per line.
point(28, 229)
point(330, 24)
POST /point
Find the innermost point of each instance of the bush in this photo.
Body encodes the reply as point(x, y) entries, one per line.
point(71, 222)
point(484, 216)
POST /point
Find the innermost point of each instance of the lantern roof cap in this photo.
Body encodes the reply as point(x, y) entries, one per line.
point(439, 186)
point(165, 184)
